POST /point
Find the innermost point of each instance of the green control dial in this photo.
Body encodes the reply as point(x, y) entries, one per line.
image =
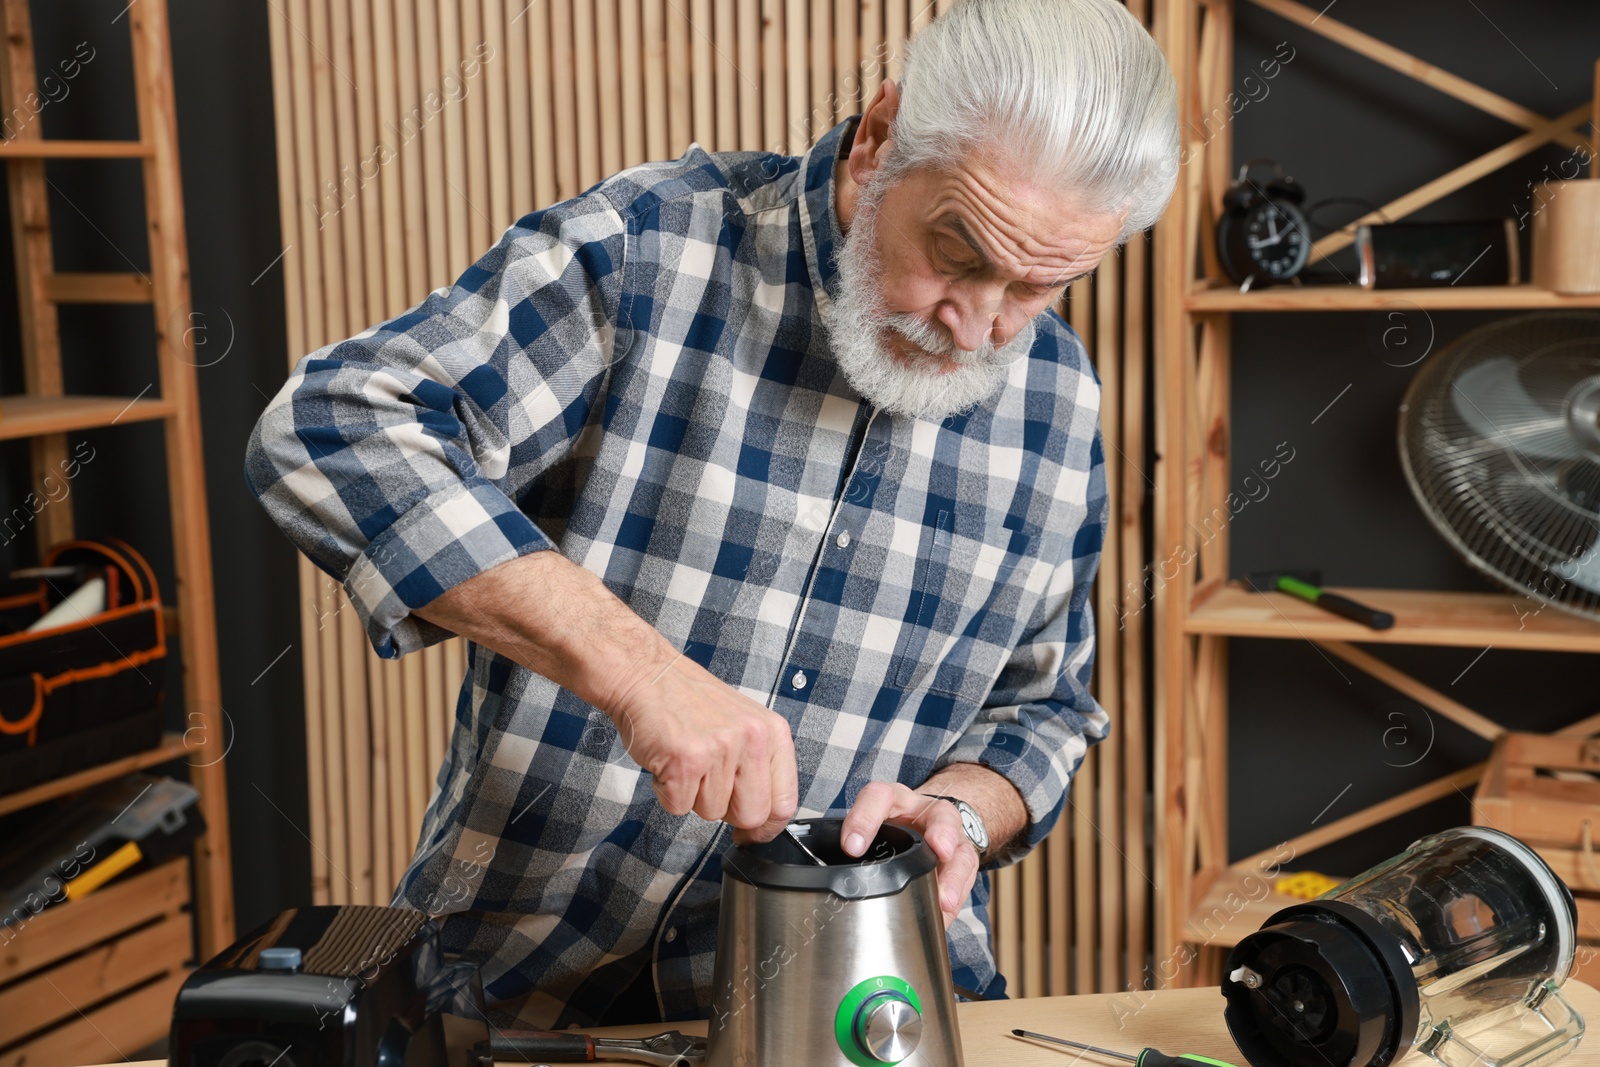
point(879, 1022)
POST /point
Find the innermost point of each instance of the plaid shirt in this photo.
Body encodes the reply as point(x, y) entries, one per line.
point(640, 379)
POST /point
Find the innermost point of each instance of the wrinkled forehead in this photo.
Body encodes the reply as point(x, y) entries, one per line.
point(1017, 220)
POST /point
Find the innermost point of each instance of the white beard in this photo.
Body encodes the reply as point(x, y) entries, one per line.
point(858, 323)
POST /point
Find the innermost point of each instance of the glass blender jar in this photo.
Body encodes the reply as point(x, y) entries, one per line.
point(1465, 931)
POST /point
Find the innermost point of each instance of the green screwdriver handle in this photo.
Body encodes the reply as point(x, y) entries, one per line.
point(1340, 605)
point(1154, 1058)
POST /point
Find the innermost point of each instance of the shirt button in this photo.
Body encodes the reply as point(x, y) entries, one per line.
point(671, 935)
point(843, 540)
point(799, 679)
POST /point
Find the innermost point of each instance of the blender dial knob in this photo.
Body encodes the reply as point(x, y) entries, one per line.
point(888, 1027)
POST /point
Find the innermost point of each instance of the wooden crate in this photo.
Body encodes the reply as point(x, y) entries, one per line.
point(92, 981)
point(1545, 791)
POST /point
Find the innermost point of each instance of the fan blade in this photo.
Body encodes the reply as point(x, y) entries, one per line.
point(1491, 400)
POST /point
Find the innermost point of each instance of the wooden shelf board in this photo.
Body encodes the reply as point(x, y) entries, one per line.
point(1228, 912)
point(172, 747)
point(38, 148)
point(1354, 298)
point(30, 416)
point(98, 287)
point(1478, 620)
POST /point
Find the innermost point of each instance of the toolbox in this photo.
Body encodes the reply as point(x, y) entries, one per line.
point(112, 831)
point(89, 691)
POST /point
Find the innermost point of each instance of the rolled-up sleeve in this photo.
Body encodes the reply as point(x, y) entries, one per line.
point(394, 459)
point(1040, 718)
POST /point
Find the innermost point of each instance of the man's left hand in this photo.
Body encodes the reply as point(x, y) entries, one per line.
point(940, 825)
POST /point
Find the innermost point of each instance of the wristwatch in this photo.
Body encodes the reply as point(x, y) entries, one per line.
point(971, 822)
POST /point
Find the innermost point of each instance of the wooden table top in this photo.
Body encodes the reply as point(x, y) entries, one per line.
point(1172, 1020)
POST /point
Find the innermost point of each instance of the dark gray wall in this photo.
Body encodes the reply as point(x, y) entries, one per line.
point(225, 129)
point(1304, 728)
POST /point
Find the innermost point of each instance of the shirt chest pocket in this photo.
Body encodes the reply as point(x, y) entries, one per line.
point(961, 619)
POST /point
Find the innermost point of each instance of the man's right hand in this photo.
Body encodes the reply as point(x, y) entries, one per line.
point(709, 749)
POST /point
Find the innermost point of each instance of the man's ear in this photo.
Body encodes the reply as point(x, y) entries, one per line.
point(873, 135)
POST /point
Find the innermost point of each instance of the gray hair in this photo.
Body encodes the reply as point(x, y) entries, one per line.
point(1076, 90)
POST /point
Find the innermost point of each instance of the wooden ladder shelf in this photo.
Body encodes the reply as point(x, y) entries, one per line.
point(105, 1019)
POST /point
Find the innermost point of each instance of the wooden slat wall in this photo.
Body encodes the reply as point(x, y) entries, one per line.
point(488, 109)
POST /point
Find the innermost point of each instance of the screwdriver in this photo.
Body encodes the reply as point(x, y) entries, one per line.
point(1147, 1057)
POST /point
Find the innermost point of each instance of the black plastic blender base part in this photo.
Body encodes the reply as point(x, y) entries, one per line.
point(1334, 991)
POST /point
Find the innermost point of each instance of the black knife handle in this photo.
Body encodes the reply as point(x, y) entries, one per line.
point(542, 1046)
point(1355, 610)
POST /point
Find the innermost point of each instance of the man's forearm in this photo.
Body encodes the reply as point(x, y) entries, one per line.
point(707, 747)
point(997, 801)
point(558, 620)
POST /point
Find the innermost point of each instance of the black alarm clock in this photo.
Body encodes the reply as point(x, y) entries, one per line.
point(1262, 235)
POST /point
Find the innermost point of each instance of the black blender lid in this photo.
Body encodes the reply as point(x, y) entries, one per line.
point(896, 856)
point(1321, 984)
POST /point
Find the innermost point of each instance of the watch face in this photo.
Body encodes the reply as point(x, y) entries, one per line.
point(1276, 239)
point(974, 827)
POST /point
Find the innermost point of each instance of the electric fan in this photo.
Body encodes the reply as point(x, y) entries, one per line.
point(1500, 440)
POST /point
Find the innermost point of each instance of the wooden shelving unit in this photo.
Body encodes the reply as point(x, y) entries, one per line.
point(1198, 610)
point(88, 980)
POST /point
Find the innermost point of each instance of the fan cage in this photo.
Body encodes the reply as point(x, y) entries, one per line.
point(1500, 473)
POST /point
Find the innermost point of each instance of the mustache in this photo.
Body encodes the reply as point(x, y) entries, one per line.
point(938, 341)
point(930, 338)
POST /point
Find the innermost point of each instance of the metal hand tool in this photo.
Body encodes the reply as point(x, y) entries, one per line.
point(670, 1049)
point(1146, 1057)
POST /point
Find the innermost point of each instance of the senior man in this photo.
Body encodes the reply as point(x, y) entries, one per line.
point(757, 484)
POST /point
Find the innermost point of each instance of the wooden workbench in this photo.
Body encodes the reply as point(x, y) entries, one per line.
point(1173, 1020)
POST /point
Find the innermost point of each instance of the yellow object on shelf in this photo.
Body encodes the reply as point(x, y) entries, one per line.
point(1307, 885)
point(104, 871)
